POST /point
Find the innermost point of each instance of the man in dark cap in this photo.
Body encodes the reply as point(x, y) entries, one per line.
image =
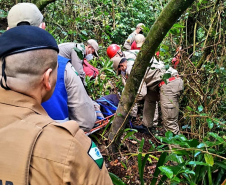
point(34, 148)
point(70, 99)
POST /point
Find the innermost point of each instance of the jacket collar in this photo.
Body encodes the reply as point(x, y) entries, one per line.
point(13, 98)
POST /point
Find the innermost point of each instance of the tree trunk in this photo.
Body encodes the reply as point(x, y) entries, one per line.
point(170, 14)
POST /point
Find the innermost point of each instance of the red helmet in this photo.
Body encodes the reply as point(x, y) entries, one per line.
point(112, 50)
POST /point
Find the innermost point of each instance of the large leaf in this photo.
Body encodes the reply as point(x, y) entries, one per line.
point(181, 137)
point(157, 170)
point(116, 180)
point(200, 108)
point(189, 108)
point(130, 133)
point(209, 159)
point(197, 163)
point(140, 166)
point(167, 171)
point(210, 123)
point(216, 136)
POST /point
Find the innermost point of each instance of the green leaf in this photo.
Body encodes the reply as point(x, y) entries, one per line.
point(200, 108)
point(84, 32)
point(197, 153)
point(216, 136)
point(189, 108)
point(181, 137)
point(210, 123)
point(169, 134)
point(209, 159)
point(157, 171)
point(176, 179)
point(140, 166)
point(167, 171)
point(201, 145)
point(116, 180)
point(197, 163)
point(123, 164)
point(187, 171)
point(129, 134)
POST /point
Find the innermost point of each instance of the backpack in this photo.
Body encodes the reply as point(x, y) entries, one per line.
point(89, 69)
point(107, 106)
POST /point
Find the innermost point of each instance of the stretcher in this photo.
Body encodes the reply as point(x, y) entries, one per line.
point(100, 124)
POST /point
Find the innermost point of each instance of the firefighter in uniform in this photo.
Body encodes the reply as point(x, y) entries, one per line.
point(169, 93)
point(77, 52)
point(131, 38)
point(34, 148)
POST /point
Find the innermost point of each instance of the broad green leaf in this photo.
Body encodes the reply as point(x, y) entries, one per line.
point(181, 137)
point(197, 153)
point(197, 163)
point(169, 134)
point(201, 145)
point(167, 171)
point(216, 136)
point(116, 180)
point(209, 159)
point(187, 171)
point(161, 162)
point(84, 32)
point(176, 179)
point(129, 134)
point(200, 108)
point(210, 123)
point(189, 108)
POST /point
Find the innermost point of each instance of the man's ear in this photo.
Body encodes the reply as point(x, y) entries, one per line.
point(42, 25)
point(7, 28)
point(46, 79)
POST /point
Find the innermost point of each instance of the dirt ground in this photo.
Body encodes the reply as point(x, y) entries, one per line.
point(124, 163)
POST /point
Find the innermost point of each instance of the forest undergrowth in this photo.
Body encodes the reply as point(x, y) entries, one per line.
point(198, 154)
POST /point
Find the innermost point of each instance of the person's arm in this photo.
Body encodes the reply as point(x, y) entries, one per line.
point(80, 105)
point(129, 42)
point(85, 163)
point(78, 65)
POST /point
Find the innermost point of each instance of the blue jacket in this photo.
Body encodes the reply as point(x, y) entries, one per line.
point(56, 106)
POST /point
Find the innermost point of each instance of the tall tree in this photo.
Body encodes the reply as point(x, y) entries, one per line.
point(170, 14)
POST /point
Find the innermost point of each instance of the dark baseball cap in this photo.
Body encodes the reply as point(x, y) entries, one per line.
point(25, 38)
point(21, 39)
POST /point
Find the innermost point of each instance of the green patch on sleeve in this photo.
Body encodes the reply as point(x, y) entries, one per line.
point(95, 154)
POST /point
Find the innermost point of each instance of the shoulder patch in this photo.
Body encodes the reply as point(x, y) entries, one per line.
point(95, 154)
point(74, 70)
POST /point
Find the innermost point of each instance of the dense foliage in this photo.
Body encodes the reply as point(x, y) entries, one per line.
point(200, 154)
